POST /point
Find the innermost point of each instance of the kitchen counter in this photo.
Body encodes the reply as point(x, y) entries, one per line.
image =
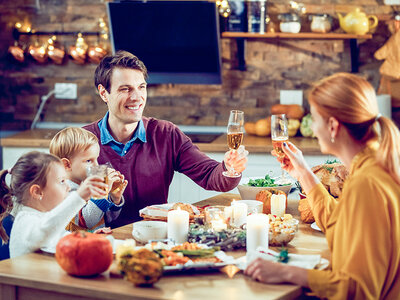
point(40, 138)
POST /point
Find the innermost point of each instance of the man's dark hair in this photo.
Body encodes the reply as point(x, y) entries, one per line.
point(121, 59)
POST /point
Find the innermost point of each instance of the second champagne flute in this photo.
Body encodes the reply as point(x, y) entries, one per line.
point(279, 135)
point(235, 136)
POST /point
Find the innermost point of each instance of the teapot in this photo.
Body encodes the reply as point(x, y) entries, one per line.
point(357, 22)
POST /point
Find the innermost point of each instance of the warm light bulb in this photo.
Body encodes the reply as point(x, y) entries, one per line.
point(18, 25)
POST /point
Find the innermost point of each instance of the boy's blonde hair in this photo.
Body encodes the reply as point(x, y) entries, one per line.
point(71, 140)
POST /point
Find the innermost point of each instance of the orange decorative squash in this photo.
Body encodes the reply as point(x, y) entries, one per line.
point(84, 254)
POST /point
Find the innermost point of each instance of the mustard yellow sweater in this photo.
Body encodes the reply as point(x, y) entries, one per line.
point(363, 233)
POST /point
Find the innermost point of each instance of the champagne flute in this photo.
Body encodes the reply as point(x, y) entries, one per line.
point(235, 136)
point(280, 135)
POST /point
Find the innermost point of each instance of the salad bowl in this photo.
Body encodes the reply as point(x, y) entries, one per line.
point(250, 186)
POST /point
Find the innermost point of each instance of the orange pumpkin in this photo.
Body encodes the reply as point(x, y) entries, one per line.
point(84, 254)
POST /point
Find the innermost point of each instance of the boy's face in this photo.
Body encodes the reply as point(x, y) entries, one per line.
point(79, 162)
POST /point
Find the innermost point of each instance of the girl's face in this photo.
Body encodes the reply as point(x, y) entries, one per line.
point(321, 130)
point(56, 189)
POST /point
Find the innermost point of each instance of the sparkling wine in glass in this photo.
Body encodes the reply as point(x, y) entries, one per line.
point(279, 135)
point(235, 136)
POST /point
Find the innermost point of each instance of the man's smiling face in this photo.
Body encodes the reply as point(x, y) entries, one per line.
point(128, 95)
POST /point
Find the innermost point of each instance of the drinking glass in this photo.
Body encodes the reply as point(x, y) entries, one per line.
point(279, 135)
point(101, 171)
point(235, 136)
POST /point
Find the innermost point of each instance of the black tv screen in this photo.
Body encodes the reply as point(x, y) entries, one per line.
point(178, 41)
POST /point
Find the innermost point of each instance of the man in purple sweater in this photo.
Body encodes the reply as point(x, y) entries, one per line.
point(146, 150)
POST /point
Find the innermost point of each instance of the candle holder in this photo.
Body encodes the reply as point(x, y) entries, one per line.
point(216, 218)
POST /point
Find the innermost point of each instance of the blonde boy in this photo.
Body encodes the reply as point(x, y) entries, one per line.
point(77, 147)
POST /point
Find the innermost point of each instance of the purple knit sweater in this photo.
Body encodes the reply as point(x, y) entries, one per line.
point(149, 167)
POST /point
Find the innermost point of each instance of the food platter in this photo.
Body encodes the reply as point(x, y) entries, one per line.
point(159, 212)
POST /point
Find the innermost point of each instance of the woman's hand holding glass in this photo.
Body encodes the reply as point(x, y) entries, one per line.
point(295, 164)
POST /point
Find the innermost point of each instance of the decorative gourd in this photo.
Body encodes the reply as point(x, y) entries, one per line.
point(305, 126)
point(84, 254)
point(293, 127)
point(250, 128)
point(142, 267)
point(265, 197)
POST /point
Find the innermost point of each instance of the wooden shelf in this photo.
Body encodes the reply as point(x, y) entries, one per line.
point(242, 36)
point(300, 35)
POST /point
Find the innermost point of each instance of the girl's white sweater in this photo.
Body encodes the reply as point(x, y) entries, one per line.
point(33, 229)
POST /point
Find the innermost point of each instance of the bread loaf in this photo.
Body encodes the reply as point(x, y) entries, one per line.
point(306, 214)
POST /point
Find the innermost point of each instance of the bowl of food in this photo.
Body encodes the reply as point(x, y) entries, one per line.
point(250, 186)
point(282, 229)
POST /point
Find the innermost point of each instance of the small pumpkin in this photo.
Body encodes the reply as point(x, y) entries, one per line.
point(265, 197)
point(250, 128)
point(142, 267)
point(84, 254)
point(263, 127)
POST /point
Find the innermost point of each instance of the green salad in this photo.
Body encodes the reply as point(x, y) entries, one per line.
point(267, 181)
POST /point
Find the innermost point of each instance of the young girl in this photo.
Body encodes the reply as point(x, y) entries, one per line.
point(41, 206)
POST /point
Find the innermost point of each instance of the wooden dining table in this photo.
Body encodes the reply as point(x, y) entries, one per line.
point(38, 276)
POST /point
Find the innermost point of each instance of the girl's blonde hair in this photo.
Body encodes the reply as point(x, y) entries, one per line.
point(352, 101)
point(69, 141)
point(31, 168)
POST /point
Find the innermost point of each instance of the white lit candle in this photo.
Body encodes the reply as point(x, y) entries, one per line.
point(178, 225)
point(218, 224)
point(278, 205)
point(257, 232)
point(239, 213)
point(228, 213)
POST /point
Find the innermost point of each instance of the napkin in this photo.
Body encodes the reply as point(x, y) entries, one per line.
point(298, 260)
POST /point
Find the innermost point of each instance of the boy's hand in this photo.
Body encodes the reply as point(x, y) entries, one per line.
point(117, 184)
point(91, 187)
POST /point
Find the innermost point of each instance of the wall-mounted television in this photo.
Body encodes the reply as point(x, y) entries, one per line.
point(178, 41)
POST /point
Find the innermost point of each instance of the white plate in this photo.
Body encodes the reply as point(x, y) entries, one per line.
point(315, 227)
point(52, 250)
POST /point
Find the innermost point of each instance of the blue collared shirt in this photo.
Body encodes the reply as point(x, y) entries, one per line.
point(120, 148)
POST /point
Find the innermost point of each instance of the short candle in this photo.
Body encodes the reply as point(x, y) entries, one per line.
point(239, 213)
point(178, 225)
point(278, 205)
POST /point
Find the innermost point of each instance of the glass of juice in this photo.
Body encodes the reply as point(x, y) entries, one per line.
point(101, 171)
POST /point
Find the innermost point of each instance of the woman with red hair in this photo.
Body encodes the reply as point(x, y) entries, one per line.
point(362, 228)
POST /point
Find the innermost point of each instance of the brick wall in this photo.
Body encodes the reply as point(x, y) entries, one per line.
point(272, 65)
